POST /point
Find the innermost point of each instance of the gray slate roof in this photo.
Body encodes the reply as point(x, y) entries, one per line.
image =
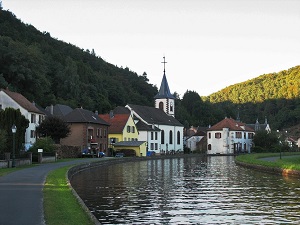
point(58, 110)
point(79, 115)
point(141, 126)
point(164, 91)
point(154, 116)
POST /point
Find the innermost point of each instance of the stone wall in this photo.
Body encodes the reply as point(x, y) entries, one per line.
point(64, 151)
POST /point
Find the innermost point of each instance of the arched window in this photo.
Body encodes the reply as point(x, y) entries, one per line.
point(161, 105)
point(178, 137)
point(209, 147)
point(162, 137)
point(171, 106)
point(171, 137)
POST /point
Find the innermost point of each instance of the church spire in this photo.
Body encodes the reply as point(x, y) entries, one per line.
point(164, 91)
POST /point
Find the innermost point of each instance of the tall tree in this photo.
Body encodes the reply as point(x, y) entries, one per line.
point(11, 116)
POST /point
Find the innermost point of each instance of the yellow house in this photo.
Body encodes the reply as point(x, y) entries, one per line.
point(123, 130)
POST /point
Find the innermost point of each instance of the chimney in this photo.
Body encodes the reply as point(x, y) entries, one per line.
point(96, 112)
point(111, 114)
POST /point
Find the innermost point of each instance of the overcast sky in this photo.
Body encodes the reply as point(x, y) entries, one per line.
point(208, 44)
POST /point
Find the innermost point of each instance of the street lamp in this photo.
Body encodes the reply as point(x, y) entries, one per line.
point(13, 130)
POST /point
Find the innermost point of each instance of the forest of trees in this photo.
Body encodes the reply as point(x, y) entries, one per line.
point(49, 71)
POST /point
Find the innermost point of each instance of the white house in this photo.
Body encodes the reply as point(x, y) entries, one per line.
point(27, 108)
point(229, 137)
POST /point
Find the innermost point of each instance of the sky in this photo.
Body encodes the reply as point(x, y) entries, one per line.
point(208, 44)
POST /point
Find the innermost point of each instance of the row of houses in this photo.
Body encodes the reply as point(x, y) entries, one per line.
point(143, 129)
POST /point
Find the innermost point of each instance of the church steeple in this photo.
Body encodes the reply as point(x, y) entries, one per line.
point(164, 99)
point(164, 91)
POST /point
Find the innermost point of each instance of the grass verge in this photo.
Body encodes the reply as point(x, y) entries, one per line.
point(5, 171)
point(60, 205)
point(286, 161)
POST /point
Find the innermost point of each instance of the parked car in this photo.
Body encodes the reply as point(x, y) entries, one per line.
point(119, 155)
point(101, 154)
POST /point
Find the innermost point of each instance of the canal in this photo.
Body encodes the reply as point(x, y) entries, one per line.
point(189, 190)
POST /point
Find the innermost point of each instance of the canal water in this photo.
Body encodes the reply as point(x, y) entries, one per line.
point(190, 190)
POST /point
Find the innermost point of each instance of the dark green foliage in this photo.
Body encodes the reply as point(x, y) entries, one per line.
point(3, 140)
point(46, 143)
point(50, 71)
point(8, 117)
point(55, 128)
point(265, 142)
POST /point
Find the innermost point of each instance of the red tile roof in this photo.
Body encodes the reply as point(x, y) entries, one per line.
point(117, 122)
point(22, 101)
point(231, 124)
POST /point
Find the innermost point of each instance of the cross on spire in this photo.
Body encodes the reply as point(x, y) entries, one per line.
point(164, 62)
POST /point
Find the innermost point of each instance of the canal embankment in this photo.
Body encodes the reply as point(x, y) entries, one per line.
point(287, 164)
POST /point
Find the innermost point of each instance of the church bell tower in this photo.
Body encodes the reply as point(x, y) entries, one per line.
point(164, 100)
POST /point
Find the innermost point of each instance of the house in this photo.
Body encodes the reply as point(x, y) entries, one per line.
point(28, 110)
point(123, 133)
point(193, 141)
point(229, 137)
point(163, 133)
point(257, 126)
point(87, 131)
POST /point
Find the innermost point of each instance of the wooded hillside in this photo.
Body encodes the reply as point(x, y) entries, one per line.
point(49, 71)
point(282, 85)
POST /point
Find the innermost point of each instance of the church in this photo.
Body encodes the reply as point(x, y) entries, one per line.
point(157, 125)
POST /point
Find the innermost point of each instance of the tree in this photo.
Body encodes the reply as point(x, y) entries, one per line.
point(11, 116)
point(55, 128)
point(265, 141)
point(3, 140)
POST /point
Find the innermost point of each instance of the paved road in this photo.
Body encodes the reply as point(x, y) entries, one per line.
point(21, 194)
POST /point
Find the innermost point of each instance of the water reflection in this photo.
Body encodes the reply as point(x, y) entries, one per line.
point(199, 190)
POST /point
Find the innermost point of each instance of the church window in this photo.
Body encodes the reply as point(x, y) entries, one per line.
point(161, 105)
point(171, 106)
point(178, 137)
point(209, 147)
point(162, 136)
point(171, 137)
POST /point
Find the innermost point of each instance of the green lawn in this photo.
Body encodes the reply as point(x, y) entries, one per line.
point(60, 205)
point(286, 162)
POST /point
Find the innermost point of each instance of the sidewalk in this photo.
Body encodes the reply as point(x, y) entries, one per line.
point(21, 193)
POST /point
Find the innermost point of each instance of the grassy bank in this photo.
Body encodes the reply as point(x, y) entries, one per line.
point(286, 161)
point(60, 205)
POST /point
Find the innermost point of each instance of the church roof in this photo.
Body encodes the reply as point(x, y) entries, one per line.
point(154, 116)
point(141, 126)
point(164, 91)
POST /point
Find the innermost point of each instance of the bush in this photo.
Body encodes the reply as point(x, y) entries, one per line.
point(47, 144)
